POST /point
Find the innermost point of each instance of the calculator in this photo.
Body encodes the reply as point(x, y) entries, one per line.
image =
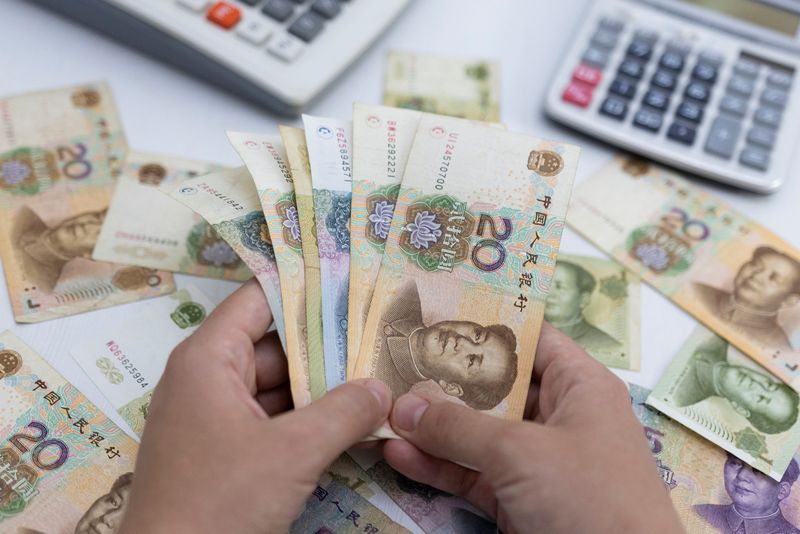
point(281, 54)
point(706, 86)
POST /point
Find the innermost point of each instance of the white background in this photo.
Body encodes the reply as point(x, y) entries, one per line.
point(166, 111)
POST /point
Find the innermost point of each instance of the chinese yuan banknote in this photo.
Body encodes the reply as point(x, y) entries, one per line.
point(265, 158)
point(383, 136)
point(60, 154)
point(714, 491)
point(294, 141)
point(468, 264)
point(330, 156)
point(735, 276)
point(229, 202)
point(64, 466)
point(177, 239)
point(596, 302)
point(467, 88)
point(126, 361)
point(715, 390)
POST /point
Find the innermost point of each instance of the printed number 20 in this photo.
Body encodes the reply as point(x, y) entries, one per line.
point(493, 242)
point(36, 455)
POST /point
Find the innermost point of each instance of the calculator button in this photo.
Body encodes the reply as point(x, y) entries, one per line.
point(605, 39)
point(587, 75)
point(612, 24)
point(307, 26)
point(733, 105)
point(194, 5)
point(690, 111)
point(578, 94)
point(646, 35)
point(622, 88)
point(767, 117)
point(648, 119)
point(595, 56)
point(285, 47)
point(723, 136)
point(764, 137)
point(710, 57)
point(741, 86)
point(697, 91)
point(656, 99)
point(754, 158)
point(671, 60)
point(679, 46)
point(254, 31)
point(774, 97)
point(681, 133)
point(639, 49)
point(747, 68)
point(327, 8)
point(632, 68)
point(705, 72)
point(279, 10)
point(224, 14)
point(615, 108)
point(779, 78)
point(664, 79)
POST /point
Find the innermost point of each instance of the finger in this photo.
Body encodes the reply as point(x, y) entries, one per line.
point(272, 369)
point(441, 474)
point(337, 421)
point(556, 346)
point(275, 401)
point(447, 430)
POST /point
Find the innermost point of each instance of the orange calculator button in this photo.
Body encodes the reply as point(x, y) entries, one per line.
point(224, 14)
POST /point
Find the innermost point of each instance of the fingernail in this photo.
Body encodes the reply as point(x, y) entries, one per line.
point(408, 410)
point(380, 391)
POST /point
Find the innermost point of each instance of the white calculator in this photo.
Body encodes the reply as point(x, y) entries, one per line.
point(707, 86)
point(279, 53)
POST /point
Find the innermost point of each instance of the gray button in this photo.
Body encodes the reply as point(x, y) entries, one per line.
point(596, 57)
point(612, 24)
point(747, 68)
point(327, 8)
point(605, 39)
point(754, 158)
point(679, 46)
point(733, 105)
point(307, 26)
point(767, 116)
point(779, 78)
point(710, 56)
point(723, 136)
point(774, 97)
point(646, 35)
point(764, 137)
point(742, 86)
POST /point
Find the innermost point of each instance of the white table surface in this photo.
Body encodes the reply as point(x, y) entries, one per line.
point(164, 110)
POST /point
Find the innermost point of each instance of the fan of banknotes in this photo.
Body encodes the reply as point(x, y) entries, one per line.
point(399, 244)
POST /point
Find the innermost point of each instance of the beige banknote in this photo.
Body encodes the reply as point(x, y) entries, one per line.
point(265, 158)
point(596, 302)
point(60, 154)
point(64, 466)
point(126, 360)
point(715, 390)
point(294, 141)
point(147, 228)
point(468, 264)
point(383, 138)
point(735, 276)
point(460, 87)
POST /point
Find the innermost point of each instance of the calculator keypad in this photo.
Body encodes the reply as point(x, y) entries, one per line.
point(734, 105)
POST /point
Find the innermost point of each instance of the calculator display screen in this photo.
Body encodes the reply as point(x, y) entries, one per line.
point(756, 12)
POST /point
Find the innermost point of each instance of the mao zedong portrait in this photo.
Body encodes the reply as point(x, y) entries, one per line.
point(571, 292)
point(469, 361)
point(104, 516)
point(768, 404)
point(45, 251)
point(756, 498)
point(766, 283)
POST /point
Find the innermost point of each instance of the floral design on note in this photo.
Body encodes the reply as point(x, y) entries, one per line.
point(424, 231)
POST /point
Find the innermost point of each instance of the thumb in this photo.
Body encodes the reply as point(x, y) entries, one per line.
point(335, 422)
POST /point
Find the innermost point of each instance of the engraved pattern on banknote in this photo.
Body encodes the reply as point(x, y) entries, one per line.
point(207, 247)
point(380, 210)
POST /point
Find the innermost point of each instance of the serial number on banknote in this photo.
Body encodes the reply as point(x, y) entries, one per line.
point(447, 158)
point(127, 364)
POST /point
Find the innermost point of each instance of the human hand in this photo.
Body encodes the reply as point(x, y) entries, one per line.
point(220, 452)
point(578, 463)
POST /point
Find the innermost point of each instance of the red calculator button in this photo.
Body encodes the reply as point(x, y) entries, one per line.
point(224, 14)
point(588, 75)
point(578, 94)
